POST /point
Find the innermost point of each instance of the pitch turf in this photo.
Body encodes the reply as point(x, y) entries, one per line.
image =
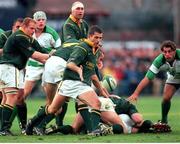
point(148, 106)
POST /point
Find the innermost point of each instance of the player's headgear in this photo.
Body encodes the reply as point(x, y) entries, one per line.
point(76, 5)
point(39, 15)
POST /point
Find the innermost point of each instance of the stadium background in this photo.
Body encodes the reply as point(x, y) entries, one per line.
point(133, 30)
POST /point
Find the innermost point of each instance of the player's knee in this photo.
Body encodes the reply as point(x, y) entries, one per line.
point(52, 110)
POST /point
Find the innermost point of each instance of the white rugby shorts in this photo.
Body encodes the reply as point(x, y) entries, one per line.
point(73, 88)
point(10, 76)
point(106, 104)
point(33, 73)
point(53, 70)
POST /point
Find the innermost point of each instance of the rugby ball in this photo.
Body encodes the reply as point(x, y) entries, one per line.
point(109, 82)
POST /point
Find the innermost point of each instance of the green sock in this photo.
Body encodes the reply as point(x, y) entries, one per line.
point(95, 116)
point(36, 120)
point(22, 115)
point(165, 109)
point(1, 108)
point(6, 115)
point(13, 115)
point(45, 121)
point(60, 117)
point(67, 129)
point(86, 115)
point(117, 129)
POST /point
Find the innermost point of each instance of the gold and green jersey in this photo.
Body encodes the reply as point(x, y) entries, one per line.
point(122, 106)
point(3, 37)
point(160, 64)
point(18, 48)
point(83, 55)
point(73, 30)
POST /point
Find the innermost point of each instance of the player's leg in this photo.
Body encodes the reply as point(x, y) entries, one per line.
point(168, 92)
point(50, 90)
point(85, 115)
point(12, 97)
point(91, 99)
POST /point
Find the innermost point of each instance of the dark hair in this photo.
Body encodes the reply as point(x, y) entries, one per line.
point(94, 29)
point(27, 20)
point(168, 43)
point(18, 20)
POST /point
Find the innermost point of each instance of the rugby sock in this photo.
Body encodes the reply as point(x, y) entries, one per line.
point(95, 116)
point(6, 115)
point(86, 115)
point(45, 121)
point(145, 127)
point(1, 108)
point(165, 109)
point(67, 129)
point(60, 117)
point(117, 129)
point(13, 115)
point(22, 115)
point(42, 113)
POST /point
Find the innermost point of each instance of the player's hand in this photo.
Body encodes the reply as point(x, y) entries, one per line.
point(115, 96)
point(133, 98)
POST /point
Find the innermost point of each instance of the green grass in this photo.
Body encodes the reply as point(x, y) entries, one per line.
point(148, 106)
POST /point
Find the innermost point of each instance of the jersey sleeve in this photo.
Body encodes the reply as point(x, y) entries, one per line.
point(3, 39)
point(78, 55)
point(24, 45)
point(69, 32)
point(155, 67)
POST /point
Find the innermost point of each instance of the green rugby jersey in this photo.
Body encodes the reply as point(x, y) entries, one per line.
point(18, 48)
point(160, 63)
point(72, 30)
point(83, 54)
point(49, 39)
point(123, 106)
point(3, 37)
point(65, 50)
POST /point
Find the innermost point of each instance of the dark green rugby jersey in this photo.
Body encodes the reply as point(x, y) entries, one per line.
point(71, 30)
point(18, 48)
point(3, 37)
point(82, 55)
point(65, 50)
point(1, 30)
point(123, 106)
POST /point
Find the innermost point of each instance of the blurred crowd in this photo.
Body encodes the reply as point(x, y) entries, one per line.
point(129, 66)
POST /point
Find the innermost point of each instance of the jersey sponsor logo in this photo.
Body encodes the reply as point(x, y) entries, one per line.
point(90, 65)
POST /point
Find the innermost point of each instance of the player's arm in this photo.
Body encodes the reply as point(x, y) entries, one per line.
point(26, 48)
point(37, 47)
point(41, 57)
point(69, 32)
point(76, 58)
point(97, 84)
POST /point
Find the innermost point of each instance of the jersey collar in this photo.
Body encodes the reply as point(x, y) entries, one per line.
point(90, 43)
point(78, 21)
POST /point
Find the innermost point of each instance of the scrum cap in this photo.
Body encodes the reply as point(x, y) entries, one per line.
point(39, 15)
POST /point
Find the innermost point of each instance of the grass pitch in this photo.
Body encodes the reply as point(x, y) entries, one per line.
point(150, 107)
